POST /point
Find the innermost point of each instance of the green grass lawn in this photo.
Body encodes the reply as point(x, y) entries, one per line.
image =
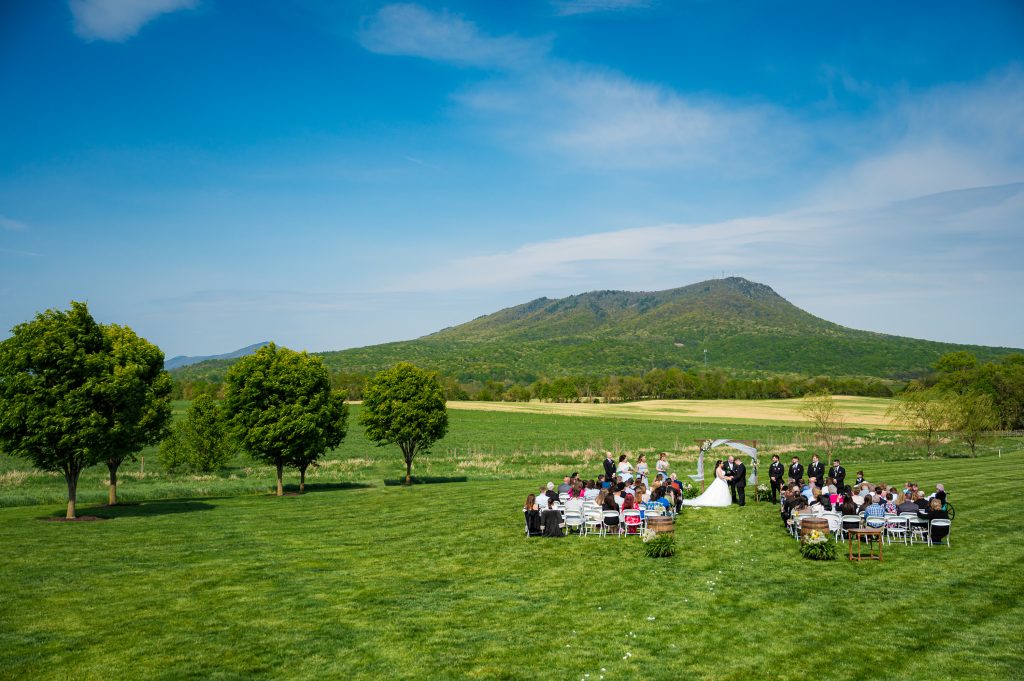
point(480, 445)
point(437, 582)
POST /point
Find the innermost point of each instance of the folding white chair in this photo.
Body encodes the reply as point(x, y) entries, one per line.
point(835, 524)
point(897, 528)
point(563, 497)
point(632, 522)
point(849, 522)
point(605, 525)
point(574, 520)
point(918, 527)
point(593, 520)
point(939, 522)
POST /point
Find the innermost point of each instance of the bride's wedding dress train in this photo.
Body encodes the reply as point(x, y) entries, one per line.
point(717, 494)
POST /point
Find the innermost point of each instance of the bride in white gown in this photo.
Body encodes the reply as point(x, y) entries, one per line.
point(717, 493)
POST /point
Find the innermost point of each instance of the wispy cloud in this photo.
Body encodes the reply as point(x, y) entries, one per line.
point(571, 7)
point(12, 225)
point(411, 30)
point(604, 119)
point(585, 114)
point(939, 238)
point(118, 20)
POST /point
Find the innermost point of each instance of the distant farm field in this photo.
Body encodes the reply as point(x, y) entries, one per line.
point(858, 411)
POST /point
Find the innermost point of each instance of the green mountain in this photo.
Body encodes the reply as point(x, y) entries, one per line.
point(745, 327)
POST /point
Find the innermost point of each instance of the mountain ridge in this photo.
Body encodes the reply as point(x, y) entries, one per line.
point(745, 326)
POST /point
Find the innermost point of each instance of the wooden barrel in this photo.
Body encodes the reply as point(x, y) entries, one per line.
point(661, 523)
point(807, 525)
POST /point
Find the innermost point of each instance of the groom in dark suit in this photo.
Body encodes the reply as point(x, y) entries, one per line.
point(739, 483)
point(730, 471)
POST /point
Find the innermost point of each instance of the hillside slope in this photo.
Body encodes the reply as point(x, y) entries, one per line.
point(745, 327)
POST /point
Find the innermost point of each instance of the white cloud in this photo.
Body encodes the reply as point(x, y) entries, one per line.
point(117, 20)
point(604, 119)
point(411, 30)
point(571, 7)
point(12, 225)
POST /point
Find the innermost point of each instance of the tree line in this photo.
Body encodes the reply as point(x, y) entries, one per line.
point(656, 384)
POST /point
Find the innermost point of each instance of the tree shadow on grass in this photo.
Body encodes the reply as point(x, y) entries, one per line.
point(142, 509)
point(426, 480)
point(327, 487)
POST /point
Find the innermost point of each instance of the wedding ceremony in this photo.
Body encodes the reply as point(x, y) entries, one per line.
point(606, 340)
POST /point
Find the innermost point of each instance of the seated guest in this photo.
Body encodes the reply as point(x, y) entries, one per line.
point(848, 507)
point(591, 492)
point(565, 486)
point(922, 503)
point(907, 506)
point(890, 503)
point(808, 492)
point(611, 505)
point(601, 496)
point(632, 522)
point(936, 512)
point(816, 505)
point(873, 509)
point(552, 521)
point(619, 494)
point(941, 496)
point(574, 505)
point(532, 513)
point(603, 482)
point(824, 502)
point(642, 494)
point(577, 490)
point(658, 497)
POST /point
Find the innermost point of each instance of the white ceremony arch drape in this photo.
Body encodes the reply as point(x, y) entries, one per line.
point(746, 449)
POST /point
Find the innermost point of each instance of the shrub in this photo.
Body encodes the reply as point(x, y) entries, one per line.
point(817, 546)
point(659, 545)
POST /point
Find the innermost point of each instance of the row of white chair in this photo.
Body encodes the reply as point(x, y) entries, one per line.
point(908, 528)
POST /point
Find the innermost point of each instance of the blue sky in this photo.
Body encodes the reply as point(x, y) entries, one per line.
point(215, 173)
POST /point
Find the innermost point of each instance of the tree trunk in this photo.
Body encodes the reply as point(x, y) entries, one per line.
point(302, 480)
point(72, 479)
point(112, 488)
point(408, 471)
point(280, 477)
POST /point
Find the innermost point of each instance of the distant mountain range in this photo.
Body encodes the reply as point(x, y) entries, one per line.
point(184, 361)
point(745, 327)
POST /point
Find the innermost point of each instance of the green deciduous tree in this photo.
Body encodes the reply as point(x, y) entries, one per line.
point(926, 411)
point(74, 393)
point(829, 421)
point(971, 415)
point(405, 406)
point(282, 409)
point(137, 401)
point(201, 441)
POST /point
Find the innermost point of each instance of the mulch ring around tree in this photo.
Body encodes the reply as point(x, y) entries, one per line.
point(79, 519)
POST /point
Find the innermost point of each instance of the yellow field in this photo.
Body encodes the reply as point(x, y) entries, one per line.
point(859, 411)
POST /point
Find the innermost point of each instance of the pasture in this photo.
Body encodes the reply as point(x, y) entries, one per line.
point(209, 577)
point(857, 411)
point(437, 582)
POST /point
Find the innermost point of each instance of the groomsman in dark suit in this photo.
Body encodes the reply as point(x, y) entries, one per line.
point(739, 483)
point(839, 473)
point(775, 473)
point(609, 466)
point(816, 472)
point(796, 469)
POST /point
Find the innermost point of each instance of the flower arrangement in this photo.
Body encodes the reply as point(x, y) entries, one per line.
point(763, 492)
point(816, 546)
point(689, 490)
point(659, 545)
